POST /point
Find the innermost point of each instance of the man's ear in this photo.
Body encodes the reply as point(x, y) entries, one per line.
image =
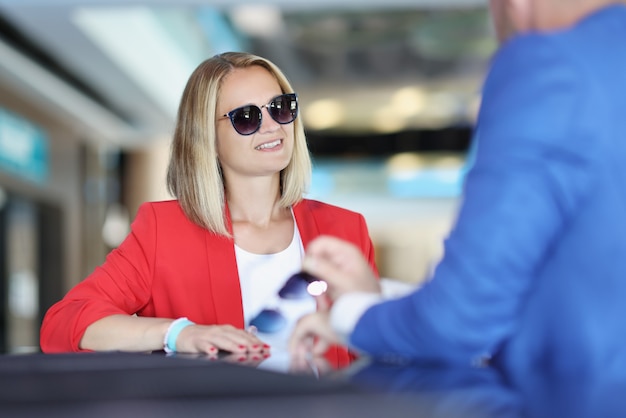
point(519, 13)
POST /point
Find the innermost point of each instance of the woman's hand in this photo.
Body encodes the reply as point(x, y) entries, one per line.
point(244, 359)
point(209, 339)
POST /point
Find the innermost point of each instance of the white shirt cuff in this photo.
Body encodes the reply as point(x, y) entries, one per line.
point(392, 288)
point(348, 309)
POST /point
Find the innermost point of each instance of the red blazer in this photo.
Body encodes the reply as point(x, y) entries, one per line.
point(169, 267)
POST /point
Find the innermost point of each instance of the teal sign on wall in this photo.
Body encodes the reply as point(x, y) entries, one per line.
point(23, 148)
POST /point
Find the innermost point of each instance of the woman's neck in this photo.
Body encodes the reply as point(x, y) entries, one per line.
point(255, 202)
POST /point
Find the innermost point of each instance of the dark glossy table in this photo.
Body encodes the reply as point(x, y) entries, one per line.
point(97, 385)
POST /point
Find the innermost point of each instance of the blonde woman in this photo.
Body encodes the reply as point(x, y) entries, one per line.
point(195, 272)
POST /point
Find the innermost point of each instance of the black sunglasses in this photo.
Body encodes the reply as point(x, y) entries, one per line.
point(247, 119)
point(301, 285)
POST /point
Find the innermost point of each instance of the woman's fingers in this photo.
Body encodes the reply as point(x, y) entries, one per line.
point(209, 339)
point(247, 359)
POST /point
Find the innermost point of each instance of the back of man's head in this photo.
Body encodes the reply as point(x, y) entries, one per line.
point(518, 16)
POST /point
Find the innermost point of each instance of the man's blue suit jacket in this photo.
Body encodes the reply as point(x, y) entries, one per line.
point(534, 271)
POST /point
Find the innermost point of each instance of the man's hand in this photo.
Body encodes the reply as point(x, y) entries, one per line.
point(340, 264)
point(311, 337)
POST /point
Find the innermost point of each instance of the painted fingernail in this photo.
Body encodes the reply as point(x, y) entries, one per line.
point(241, 359)
point(255, 346)
point(212, 349)
point(242, 347)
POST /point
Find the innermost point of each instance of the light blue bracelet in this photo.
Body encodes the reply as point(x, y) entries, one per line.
point(169, 342)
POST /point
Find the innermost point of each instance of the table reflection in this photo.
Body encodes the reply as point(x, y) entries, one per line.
point(485, 392)
point(471, 392)
point(444, 391)
point(94, 384)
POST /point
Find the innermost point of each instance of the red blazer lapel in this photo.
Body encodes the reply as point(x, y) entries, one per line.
point(305, 220)
point(224, 278)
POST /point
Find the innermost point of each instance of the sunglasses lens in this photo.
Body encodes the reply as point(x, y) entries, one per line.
point(284, 108)
point(295, 287)
point(268, 321)
point(246, 120)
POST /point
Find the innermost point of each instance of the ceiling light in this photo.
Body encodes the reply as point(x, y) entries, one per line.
point(387, 119)
point(405, 162)
point(262, 20)
point(409, 101)
point(324, 114)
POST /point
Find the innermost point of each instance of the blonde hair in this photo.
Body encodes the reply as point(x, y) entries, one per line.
point(194, 175)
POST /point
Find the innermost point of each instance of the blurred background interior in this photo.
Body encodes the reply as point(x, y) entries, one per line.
point(89, 89)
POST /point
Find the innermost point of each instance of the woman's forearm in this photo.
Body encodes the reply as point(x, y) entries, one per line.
point(125, 333)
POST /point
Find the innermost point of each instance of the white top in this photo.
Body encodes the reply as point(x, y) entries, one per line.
point(261, 277)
